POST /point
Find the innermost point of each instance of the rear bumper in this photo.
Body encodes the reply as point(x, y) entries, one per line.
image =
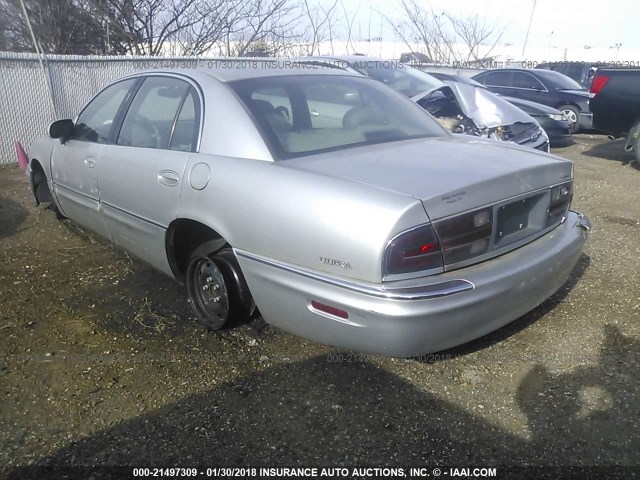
point(444, 311)
point(585, 121)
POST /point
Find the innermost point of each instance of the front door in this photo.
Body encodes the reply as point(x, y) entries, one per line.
point(75, 164)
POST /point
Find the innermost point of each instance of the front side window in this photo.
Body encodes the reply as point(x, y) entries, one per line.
point(498, 79)
point(307, 114)
point(153, 112)
point(95, 122)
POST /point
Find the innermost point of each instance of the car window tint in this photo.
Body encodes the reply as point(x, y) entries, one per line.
point(150, 118)
point(498, 79)
point(95, 122)
point(274, 104)
point(402, 78)
point(330, 113)
point(185, 133)
point(329, 103)
point(574, 71)
point(525, 80)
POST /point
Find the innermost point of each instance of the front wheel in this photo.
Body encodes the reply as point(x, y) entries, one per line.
point(573, 115)
point(217, 289)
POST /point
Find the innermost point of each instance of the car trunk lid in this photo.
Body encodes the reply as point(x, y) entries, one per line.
point(449, 175)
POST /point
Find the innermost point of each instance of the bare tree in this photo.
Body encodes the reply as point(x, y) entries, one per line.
point(213, 20)
point(268, 24)
point(320, 25)
point(439, 35)
point(349, 20)
point(475, 33)
point(60, 26)
point(146, 25)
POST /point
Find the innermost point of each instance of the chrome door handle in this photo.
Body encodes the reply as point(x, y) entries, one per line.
point(314, 113)
point(90, 162)
point(168, 178)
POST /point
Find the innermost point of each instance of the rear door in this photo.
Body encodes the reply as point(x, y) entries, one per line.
point(500, 82)
point(76, 163)
point(143, 172)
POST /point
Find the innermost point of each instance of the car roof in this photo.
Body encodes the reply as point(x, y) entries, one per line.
point(533, 71)
point(229, 70)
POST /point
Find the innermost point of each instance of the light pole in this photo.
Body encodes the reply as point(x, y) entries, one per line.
point(526, 38)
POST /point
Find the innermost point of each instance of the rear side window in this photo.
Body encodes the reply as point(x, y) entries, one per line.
point(95, 122)
point(150, 119)
point(525, 80)
point(498, 79)
point(185, 132)
point(574, 71)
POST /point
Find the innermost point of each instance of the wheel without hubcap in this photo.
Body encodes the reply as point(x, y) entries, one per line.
point(217, 290)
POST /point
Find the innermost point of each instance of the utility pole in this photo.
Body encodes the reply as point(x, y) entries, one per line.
point(526, 38)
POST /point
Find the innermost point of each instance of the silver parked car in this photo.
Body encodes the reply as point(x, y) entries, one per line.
point(460, 108)
point(324, 198)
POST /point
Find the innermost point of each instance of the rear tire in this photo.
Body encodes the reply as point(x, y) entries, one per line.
point(217, 290)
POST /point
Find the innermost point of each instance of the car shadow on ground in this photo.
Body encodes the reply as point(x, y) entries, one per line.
point(144, 301)
point(562, 143)
point(612, 150)
point(12, 215)
point(519, 324)
point(328, 413)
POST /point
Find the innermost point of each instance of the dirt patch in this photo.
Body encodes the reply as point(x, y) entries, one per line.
point(102, 362)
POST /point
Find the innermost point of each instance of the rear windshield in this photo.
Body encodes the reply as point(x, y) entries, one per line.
point(560, 81)
point(309, 114)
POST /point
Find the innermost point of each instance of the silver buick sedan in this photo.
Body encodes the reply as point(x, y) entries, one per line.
point(323, 198)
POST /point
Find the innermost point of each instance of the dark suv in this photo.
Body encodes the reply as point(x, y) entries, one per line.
point(542, 86)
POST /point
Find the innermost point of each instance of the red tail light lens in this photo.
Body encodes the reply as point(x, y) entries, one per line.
point(599, 81)
point(413, 251)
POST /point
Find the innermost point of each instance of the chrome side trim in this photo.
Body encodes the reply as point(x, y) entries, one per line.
point(422, 292)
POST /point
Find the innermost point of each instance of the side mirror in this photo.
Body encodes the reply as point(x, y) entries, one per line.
point(62, 129)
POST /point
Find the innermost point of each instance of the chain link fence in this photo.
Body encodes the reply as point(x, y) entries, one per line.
point(35, 91)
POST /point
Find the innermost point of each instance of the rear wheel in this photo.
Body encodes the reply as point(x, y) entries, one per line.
point(573, 114)
point(217, 290)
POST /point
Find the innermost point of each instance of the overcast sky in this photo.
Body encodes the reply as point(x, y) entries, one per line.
point(574, 23)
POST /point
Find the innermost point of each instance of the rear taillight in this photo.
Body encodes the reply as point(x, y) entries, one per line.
point(413, 251)
point(561, 196)
point(465, 236)
point(599, 81)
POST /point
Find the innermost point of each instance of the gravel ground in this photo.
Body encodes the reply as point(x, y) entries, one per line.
point(102, 362)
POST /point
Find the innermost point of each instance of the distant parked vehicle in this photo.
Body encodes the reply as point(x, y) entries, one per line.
point(555, 123)
point(543, 86)
point(616, 105)
point(581, 72)
point(460, 109)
